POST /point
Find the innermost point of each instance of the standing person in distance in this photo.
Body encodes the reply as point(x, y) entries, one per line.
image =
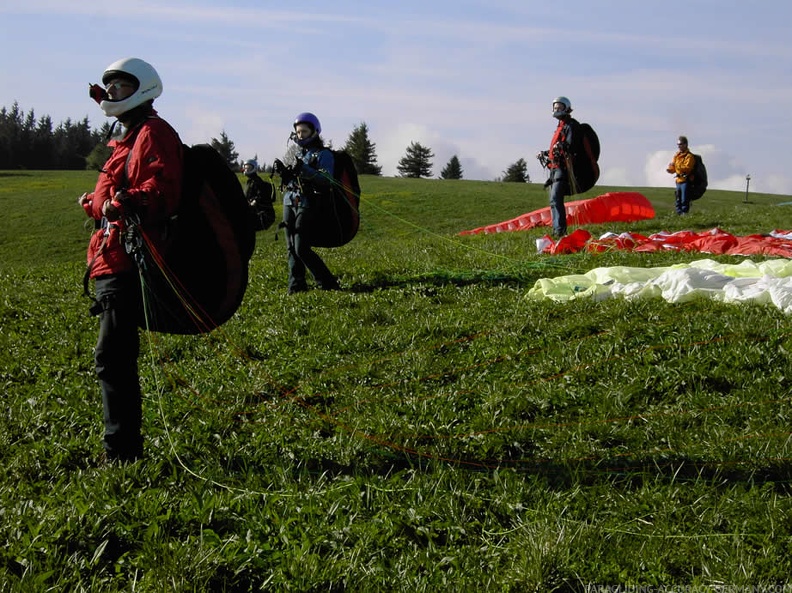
point(681, 166)
point(141, 179)
point(306, 182)
point(260, 195)
point(556, 160)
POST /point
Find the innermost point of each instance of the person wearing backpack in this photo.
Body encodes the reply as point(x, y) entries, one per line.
point(260, 195)
point(305, 183)
point(681, 166)
point(141, 179)
point(556, 159)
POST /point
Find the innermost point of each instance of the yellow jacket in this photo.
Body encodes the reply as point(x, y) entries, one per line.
point(683, 164)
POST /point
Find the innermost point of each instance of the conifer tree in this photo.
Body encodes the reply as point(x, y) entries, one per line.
point(453, 170)
point(225, 146)
point(101, 151)
point(517, 172)
point(416, 161)
point(30, 143)
point(362, 151)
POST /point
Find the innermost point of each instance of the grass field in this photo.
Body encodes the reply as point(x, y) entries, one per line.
point(428, 428)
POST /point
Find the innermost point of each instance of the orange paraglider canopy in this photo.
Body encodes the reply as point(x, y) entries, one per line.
point(624, 206)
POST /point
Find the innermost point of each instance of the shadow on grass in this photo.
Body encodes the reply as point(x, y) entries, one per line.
point(638, 472)
point(15, 174)
point(521, 278)
point(563, 476)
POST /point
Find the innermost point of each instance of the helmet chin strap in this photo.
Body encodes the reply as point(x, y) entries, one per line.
point(111, 130)
point(303, 142)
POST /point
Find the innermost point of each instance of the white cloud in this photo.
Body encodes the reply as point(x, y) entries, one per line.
point(461, 78)
point(655, 173)
point(617, 176)
point(724, 172)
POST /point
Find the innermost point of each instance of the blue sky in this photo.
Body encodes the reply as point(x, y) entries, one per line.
point(471, 78)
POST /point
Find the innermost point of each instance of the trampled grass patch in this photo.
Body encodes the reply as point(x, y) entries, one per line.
point(427, 428)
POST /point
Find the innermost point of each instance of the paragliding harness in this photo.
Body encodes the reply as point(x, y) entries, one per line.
point(335, 216)
point(261, 196)
point(195, 272)
point(580, 159)
point(697, 184)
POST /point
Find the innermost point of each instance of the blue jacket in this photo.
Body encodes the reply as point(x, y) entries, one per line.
point(314, 179)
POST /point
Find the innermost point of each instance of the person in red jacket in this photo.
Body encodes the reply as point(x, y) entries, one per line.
point(682, 168)
point(140, 181)
point(555, 159)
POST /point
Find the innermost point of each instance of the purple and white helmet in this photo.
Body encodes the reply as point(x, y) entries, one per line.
point(311, 120)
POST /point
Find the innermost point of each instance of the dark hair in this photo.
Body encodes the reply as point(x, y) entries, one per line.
point(682, 140)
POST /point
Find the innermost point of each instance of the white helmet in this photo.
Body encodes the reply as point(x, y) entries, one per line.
point(567, 107)
point(148, 82)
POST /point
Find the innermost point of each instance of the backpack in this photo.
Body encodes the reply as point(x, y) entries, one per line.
point(338, 213)
point(195, 275)
point(585, 154)
point(698, 184)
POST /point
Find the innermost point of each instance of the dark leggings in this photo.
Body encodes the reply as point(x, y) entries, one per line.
point(301, 254)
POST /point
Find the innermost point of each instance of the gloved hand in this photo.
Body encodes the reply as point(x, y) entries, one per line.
point(548, 183)
point(286, 173)
point(559, 150)
point(297, 166)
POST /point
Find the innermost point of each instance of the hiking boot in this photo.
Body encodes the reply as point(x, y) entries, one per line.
point(334, 285)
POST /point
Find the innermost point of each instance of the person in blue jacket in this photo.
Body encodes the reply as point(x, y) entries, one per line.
point(305, 183)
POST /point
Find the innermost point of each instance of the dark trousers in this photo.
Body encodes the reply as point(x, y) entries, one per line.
point(116, 360)
point(301, 254)
point(559, 187)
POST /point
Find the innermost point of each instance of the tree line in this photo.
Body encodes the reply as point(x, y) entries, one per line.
point(27, 142)
point(30, 143)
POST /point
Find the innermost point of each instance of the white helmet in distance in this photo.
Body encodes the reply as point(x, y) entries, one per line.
point(249, 167)
point(141, 74)
point(565, 107)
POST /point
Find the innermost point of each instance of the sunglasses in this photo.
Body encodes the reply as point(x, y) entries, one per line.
point(118, 85)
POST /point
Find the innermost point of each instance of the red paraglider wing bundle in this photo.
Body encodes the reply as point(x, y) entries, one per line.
point(609, 207)
point(777, 243)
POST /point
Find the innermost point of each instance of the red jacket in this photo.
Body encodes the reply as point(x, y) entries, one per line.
point(153, 181)
point(563, 135)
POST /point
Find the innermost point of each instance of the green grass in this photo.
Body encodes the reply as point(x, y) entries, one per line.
point(427, 428)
